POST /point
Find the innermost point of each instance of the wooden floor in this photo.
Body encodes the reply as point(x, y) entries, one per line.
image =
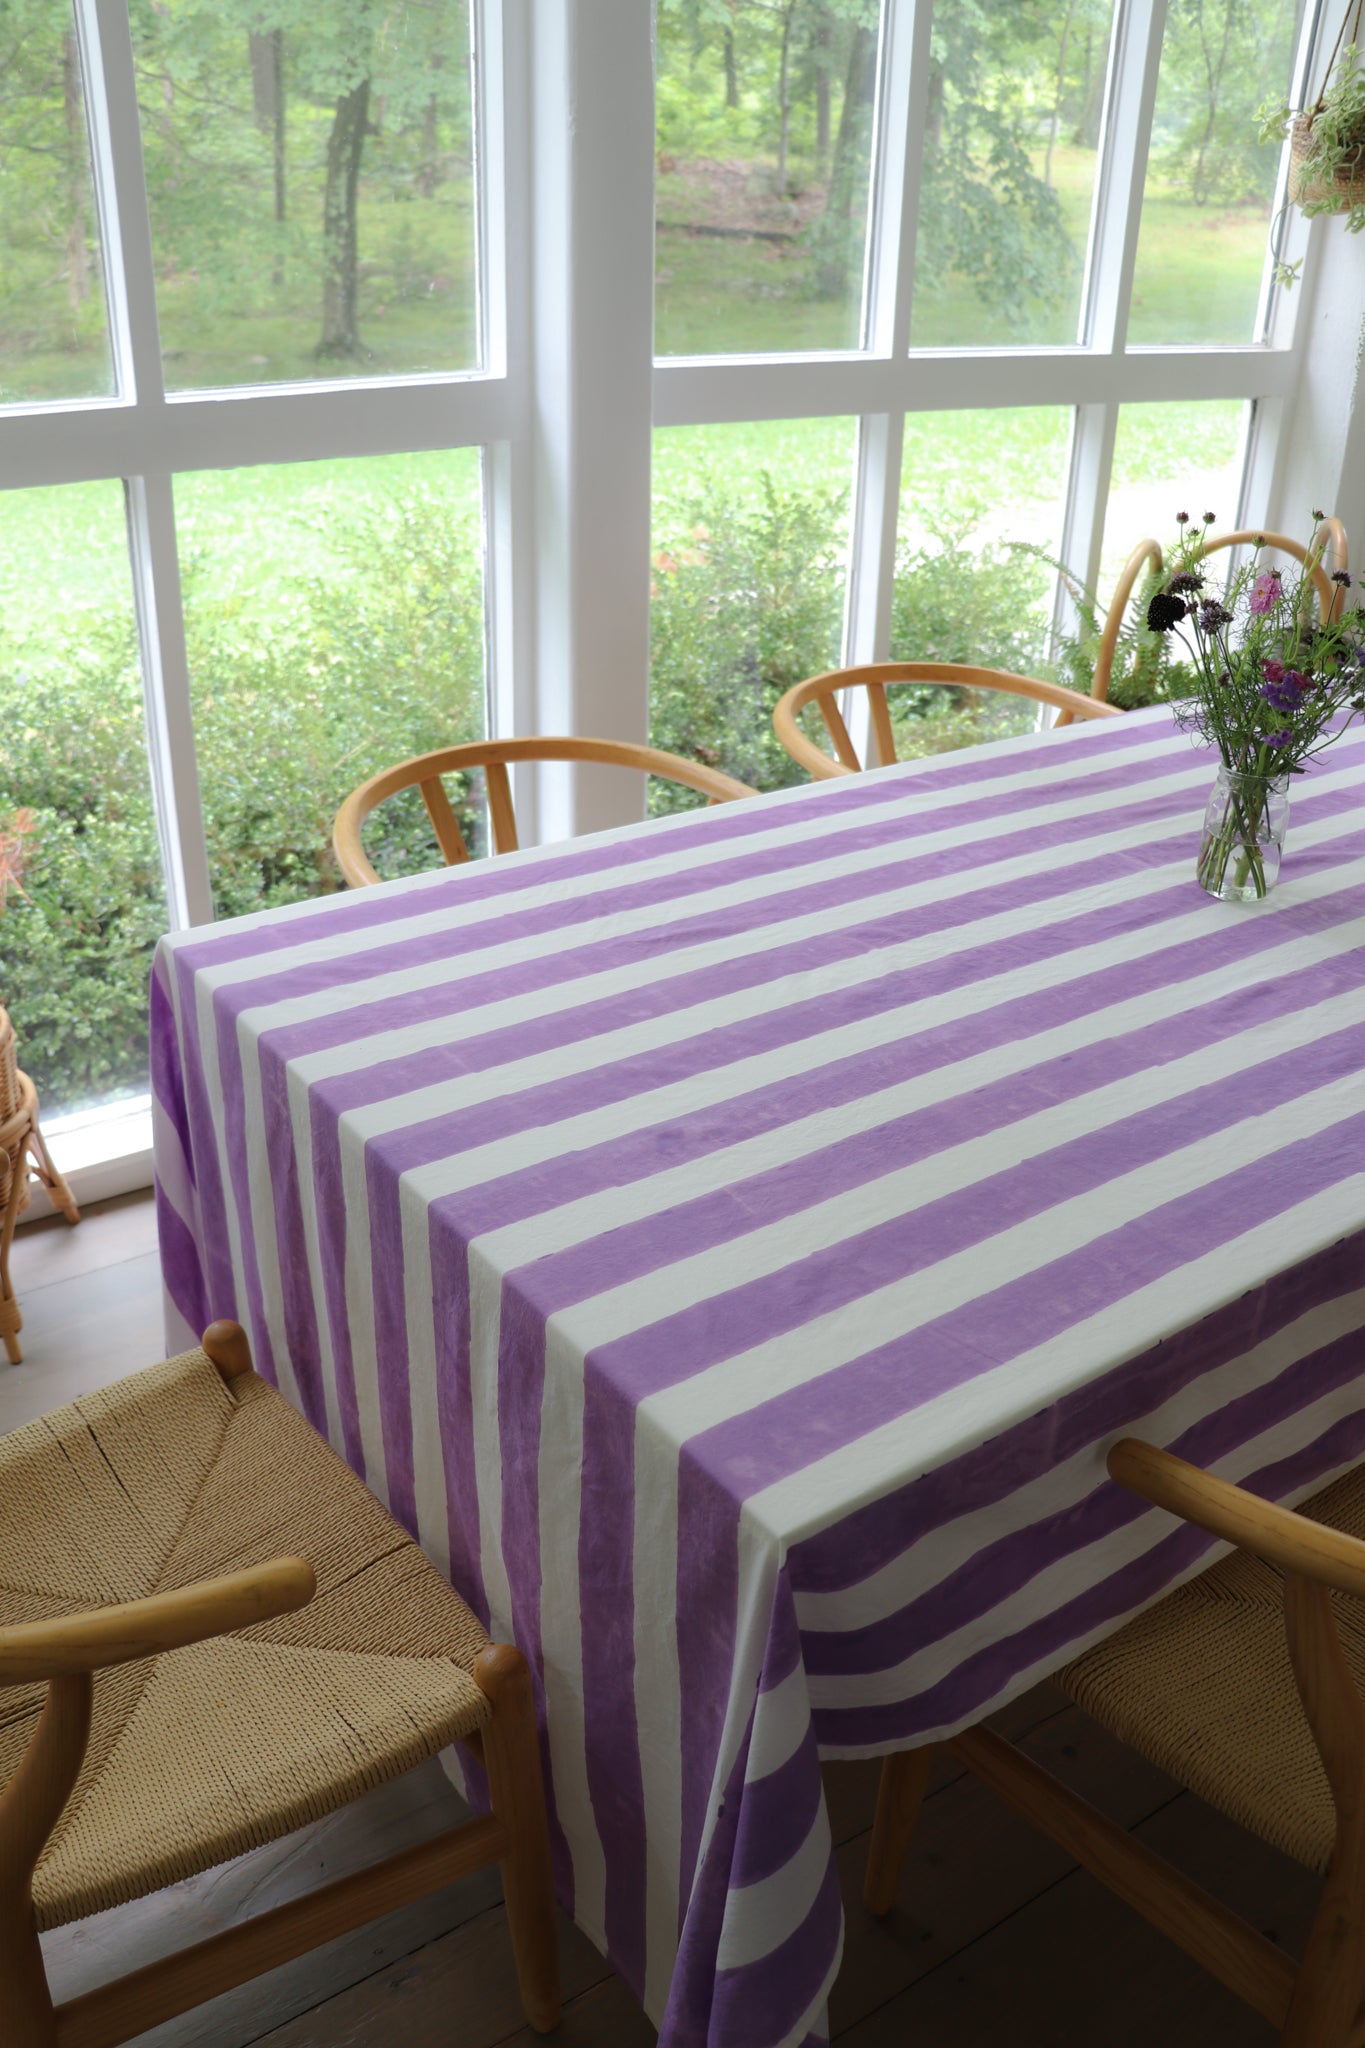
point(996, 1939)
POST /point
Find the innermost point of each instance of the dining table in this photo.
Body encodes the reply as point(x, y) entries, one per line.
point(730, 1244)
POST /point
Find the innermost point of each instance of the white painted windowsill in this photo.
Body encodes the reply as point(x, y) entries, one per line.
point(102, 1152)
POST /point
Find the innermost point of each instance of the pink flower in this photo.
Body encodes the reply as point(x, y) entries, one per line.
point(1273, 671)
point(1265, 591)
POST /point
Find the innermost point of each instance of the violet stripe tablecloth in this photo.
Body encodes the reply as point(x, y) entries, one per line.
point(730, 1245)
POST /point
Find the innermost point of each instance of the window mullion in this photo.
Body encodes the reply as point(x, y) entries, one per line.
point(121, 196)
point(1131, 98)
point(1091, 467)
point(891, 266)
point(166, 694)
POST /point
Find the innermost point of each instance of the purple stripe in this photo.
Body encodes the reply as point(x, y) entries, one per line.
point(607, 1608)
point(214, 1243)
point(867, 1540)
point(329, 1206)
point(483, 881)
point(708, 1616)
point(649, 997)
point(665, 1237)
point(783, 1434)
point(764, 2001)
point(981, 1680)
point(779, 1813)
point(167, 1078)
point(762, 1444)
point(391, 1340)
point(1001, 1568)
point(181, 1273)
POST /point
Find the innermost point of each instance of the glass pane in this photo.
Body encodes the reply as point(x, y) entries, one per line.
point(81, 896)
point(982, 501)
point(334, 615)
point(1210, 183)
point(750, 546)
point(54, 331)
point(765, 116)
point(1016, 98)
point(1167, 459)
point(311, 189)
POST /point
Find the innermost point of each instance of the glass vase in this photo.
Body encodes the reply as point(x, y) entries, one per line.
point(1243, 837)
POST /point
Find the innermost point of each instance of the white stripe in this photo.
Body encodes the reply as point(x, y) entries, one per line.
point(781, 1724)
point(1050, 1590)
point(759, 1917)
point(667, 1289)
point(569, 940)
point(938, 1552)
point(559, 1494)
point(549, 1231)
point(893, 1312)
point(829, 1488)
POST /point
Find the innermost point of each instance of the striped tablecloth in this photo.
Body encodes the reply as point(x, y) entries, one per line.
point(730, 1244)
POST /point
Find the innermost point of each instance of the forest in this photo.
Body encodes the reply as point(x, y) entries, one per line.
point(310, 175)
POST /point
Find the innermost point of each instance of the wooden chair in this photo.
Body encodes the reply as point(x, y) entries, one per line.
point(824, 691)
point(22, 1152)
point(1264, 1721)
point(1331, 536)
point(424, 772)
point(205, 1694)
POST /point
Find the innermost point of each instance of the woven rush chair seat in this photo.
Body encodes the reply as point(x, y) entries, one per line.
point(1201, 1685)
point(202, 1752)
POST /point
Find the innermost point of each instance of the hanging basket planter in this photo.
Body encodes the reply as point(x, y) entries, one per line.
point(1338, 193)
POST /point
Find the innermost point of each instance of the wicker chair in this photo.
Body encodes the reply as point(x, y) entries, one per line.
point(1245, 1685)
point(22, 1153)
point(189, 1716)
point(824, 691)
point(424, 772)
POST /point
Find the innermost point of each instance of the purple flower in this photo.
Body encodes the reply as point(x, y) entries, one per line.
point(1297, 680)
point(1265, 591)
point(1187, 579)
point(1277, 739)
point(1212, 615)
point(1273, 671)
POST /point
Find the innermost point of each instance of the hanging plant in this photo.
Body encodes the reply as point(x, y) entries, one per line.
point(1326, 140)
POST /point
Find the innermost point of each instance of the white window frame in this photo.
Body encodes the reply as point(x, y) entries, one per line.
point(570, 394)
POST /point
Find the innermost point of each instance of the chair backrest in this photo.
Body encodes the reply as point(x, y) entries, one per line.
point(424, 772)
point(824, 691)
point(1330, 538)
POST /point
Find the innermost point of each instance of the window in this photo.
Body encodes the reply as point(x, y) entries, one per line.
point(335, 355)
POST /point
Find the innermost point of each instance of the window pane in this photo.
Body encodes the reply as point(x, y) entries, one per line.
point(982, 502)
point(334, 614)
point(750, 543)
point(81, 896)
point(54, 335)
point(765, 116)
point(1016, 97)
point(311, 190)
point(1169, 459)
point(1210, 183)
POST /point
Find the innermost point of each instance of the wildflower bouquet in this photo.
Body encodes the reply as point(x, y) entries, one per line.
point(1270, 683)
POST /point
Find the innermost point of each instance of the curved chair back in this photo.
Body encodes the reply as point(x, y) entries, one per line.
point(1330, 536)
point(424, 772)
point(873, 677)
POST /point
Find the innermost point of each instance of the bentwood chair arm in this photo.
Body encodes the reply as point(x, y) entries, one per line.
point(1146, 551)
point(824, 691)
point(1289, 1541)
point(424, 772)
point(34, 1651)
